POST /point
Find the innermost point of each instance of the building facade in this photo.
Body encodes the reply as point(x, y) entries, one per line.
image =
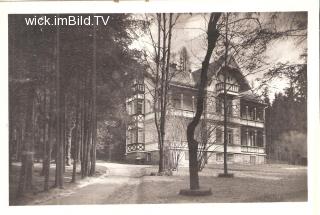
point(245, 119)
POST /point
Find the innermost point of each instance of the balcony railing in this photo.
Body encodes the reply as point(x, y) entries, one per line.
point(252, 149)
point(236, 120)
point(135, 147)
point(231, 88)
point(182, 112)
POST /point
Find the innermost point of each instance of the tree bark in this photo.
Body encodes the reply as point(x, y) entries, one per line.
point(225, 108)
point(44, 127)
point(49, 146)
point(75, 140)
point(60, 118)
point(94, 111)
point(213, 35)
point(25, 181)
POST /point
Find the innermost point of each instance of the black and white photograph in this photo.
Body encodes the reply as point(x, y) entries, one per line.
point(158, 107)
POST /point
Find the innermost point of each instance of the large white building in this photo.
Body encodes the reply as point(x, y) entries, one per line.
point(245, 121)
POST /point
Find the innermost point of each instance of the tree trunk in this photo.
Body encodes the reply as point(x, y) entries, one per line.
point(213, 35)
point(44, 134)
point(60, 118)
point(64, 127)
point(162, 95)
point(94, 111)
point(68, 147)
point(25, 181)
point(49, 146)
point(225, 108)
point(75, 142)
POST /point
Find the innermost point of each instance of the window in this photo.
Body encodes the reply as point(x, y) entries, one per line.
point(193, 103)
point(229, 107)
point(139, 106)
point(260, 115)
point(140, 87)
point(230, 137)
point(149, 157)
point(135, 107)
point(243, 111)
point(188, 102)
point(219, 135)
point(130, 108)
point(260, 139)
point(253, 159)
point(252, 114)
point(132, 136)
point(128, 137)
point(219, 157)
point(244, 137)
point(186, 155)
point(252, 139)
point(148, 106)
point(219, 105)
point(176, 100)
point(140, 136)
point(230, 157)
point(219, 138)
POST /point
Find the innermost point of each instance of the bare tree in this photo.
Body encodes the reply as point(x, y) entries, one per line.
point(162, 77)
point(212, 36)
point(207, 144)
point(177, 143)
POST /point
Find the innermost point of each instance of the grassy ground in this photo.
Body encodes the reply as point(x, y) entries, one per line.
point(132, 184)
point(260, 183)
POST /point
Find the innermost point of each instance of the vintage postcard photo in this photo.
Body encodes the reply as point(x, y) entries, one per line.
point(157, 108)
point(153, 106)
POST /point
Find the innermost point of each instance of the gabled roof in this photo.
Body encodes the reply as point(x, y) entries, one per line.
point(215, 68)
point(191, 79)
point(184, 78)
point(251, 96)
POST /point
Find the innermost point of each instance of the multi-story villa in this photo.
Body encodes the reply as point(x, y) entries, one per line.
point(245, 118)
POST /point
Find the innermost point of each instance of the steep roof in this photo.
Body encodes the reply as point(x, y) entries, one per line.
point(251, 96)
point(191, 79)
point(215, 68)
point(184, 78)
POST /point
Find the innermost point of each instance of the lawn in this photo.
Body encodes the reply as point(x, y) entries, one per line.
point(260, 183)
point(132, 184)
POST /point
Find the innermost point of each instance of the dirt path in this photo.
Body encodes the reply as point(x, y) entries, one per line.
point(119, 185)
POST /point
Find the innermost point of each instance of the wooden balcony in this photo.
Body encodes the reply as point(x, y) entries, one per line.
point(182, 112)
point(135, 147)
point(253, 149)
point(232, 89)
point(236, 120)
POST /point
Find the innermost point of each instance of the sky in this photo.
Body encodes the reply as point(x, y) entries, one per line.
point(190, 31)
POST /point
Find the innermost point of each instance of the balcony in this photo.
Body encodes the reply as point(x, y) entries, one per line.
point(236, 120)
point(253, 149)
point(135, 147)
point(182, 112)
point(232, 89)
point(252, 123)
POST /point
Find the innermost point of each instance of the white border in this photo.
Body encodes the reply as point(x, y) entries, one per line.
point(312, 6)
